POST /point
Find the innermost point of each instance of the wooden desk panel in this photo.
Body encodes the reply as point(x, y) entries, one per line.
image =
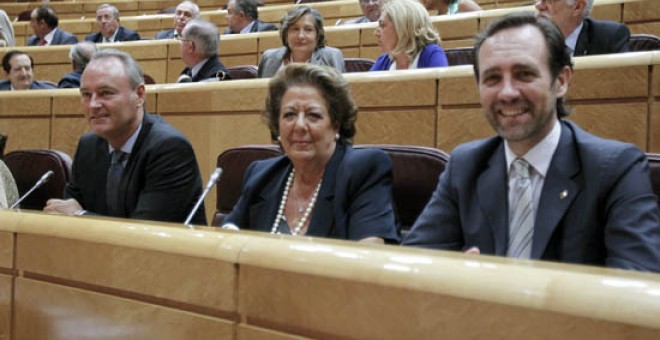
point(626, 122)
point(6, 250)
point(50, 311)
point(6, 290)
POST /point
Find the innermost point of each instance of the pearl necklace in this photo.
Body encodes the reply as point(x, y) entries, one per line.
point(285, 195)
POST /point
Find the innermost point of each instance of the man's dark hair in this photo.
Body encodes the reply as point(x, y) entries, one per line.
point(47, 14)
point(558, 54)
point(249, 7)
point(5, 60)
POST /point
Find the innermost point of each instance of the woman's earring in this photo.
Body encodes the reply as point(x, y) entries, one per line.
point(337, 136)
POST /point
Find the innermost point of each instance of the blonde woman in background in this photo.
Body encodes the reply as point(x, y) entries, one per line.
point(6, 30)
point(8, 190)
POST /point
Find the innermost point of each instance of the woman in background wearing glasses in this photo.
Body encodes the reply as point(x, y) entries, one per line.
point(303, 40)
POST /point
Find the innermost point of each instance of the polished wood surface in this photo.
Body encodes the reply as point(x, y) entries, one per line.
point(86, 277)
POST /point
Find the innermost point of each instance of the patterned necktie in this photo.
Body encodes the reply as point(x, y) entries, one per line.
point(521, 213)
point(112, 183)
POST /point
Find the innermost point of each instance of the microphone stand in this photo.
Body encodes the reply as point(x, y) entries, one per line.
point(212, 181)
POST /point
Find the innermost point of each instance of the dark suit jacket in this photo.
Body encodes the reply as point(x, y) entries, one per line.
point(602, 37)
point(123, 34)
point(161, 180)
point(60, 37)
point(70, 80)
point(209, 70)
point(166, 34)
point(259, 26)
point(355, 200)
point(609, 217)
point(5, 85)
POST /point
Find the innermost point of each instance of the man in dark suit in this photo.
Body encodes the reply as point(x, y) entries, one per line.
point(18, 67)
point(44, 22)
point(199, 51)
point(184, 12)
point(80, 55)
point(583, 35)
point(132, 164)
point(110, 31)
point(544, 188)
point(242, 17)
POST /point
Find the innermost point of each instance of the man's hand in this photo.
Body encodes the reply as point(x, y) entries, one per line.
point(65, 207)
point(473, 251)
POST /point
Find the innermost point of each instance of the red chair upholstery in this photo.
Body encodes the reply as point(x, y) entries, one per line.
point(357, 64)
point(416, 170)
point(654, 167)
point(644, 42)
point(243, 72)
point(460, 56)
point(27, 167)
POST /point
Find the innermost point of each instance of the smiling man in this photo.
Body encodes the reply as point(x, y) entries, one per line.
point(543, 188)
point(18, 67)
point(110, 30)
point(133, 164)
point(183, 13)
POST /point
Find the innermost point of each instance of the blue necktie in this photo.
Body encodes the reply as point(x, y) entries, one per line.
point(112, 183)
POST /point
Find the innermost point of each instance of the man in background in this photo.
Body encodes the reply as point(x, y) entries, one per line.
point(80, 55)
point(19, 67)
point(243, 17)
point(371, 10)
point(44, 23)
point(184, 12)
point(585, 36)
point(133, 164)
point(199, 51)
point(110, 31)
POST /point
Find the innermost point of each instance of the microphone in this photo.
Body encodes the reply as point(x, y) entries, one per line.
point(212, 181)
point(184, 78)
point(45, 178)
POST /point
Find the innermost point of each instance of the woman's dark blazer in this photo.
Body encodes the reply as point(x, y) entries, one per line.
point(355, 200)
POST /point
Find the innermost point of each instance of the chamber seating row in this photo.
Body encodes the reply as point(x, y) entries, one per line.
point(64, 277)
point(642, 16)
point(613, 96)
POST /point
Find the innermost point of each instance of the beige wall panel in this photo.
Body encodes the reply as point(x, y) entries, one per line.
point(6, 289)
point(627, 122)
point(144, 49)
point(219, 18)
point(613, 12)
point(245, 332)
point(371, 91)
point(124, 7)
point(654, 143)
point(645, 28)
point(370, 52)
point(615, 82)
point(407, 127)
point(342, 37)
point(211, 135)
point(27, 133)
point(6, 249)
point(175, 277)
point(489, 16)
point(149, 23)
point(48, 55)
point(457, 28)
point(230, 61)
point(461, 125)
point(216, 97)
point(457, 90)
point(155, 68)
point(66, 133)
point(641, 11)
point(347, 309)
point(25, 103)
point(78, 26)
point(175, 66)
point(236, 45)
point(269, 40)
point(48, 311)
point(51, 72)
point(367, 37)
point(156, 5)
point(457, 43)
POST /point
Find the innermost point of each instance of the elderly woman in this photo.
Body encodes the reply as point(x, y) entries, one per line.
point(450, 7)
point(407, 38)
point(8, 190)
point(303, 40)
point(321, 186)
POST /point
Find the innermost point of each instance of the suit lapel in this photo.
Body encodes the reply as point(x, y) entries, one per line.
point(128, 174)
point(264, 211)
point(323, 216)
point(100, 166)
point(582, 44)
point(559, 190)
point(494, 206)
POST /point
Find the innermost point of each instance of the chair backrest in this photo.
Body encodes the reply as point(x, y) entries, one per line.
point(148, 80)
point(234, 162)
point(644, 42)
point(460, 56)
point(27, 167)
point(24, 15)
point(243, 72)
point(654, 167)
point(357, 64)
point(3, 143)
point(415, 169)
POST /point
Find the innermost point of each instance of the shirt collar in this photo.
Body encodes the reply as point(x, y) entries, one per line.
point(49, 36)
point(113, 38)
point(539, 156)
point(571, 40)
point(197, 67)
point(130, 143)
point(248, 27)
